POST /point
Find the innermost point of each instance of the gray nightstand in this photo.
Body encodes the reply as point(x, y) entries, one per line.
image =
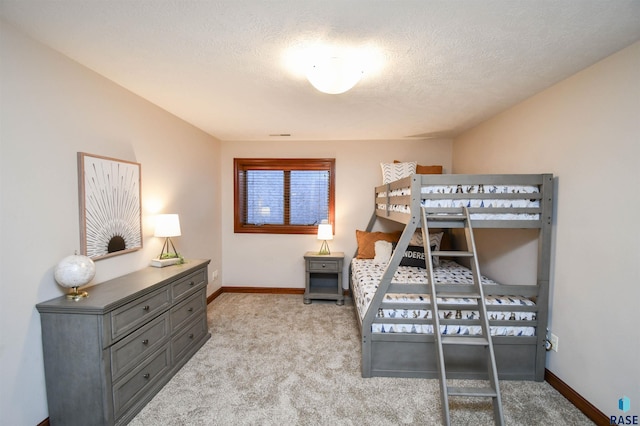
point(323, 277)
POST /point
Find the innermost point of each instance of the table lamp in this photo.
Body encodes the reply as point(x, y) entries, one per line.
point(167, 226)
point(325, 232)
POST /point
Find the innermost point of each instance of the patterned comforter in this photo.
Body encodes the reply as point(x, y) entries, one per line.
point(366, 275)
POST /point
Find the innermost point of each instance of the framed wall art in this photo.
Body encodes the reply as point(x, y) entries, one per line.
point(110, 206)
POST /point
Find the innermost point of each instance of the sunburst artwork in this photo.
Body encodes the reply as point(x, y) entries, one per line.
point(110, 207)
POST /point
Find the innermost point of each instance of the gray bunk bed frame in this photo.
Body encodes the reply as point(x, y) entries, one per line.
point(414, 355)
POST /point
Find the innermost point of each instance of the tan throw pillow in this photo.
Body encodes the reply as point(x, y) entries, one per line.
point(367, 240)
point(426, 170)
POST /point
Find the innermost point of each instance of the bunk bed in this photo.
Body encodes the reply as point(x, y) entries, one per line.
point(392, 302)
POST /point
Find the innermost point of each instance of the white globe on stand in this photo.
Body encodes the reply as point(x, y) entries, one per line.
point(75, 271)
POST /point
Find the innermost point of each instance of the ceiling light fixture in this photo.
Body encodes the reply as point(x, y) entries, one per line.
point(333, 68)
point(334, 75)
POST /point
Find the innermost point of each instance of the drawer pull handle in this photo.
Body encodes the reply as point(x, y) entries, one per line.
point(191, 336)
point(146, 375)
point(145, 342)
point(190, 310)
point(145, 308)
point(323, 265)
point(192, 283)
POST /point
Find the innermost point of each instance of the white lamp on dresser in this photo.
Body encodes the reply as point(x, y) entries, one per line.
point(167, 226)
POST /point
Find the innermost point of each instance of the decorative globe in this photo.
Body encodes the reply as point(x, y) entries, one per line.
point(75, 271)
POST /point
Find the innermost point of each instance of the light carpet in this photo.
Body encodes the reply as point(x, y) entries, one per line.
point(273, 360)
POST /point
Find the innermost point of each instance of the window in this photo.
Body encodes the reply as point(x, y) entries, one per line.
point(283, 195)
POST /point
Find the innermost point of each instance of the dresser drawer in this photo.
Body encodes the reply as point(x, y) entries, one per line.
point(130, 316)
point(130, 351)
point(324, 266)
point(184, 286)
point(132, 386)
point(186, 310)
point(185, 340)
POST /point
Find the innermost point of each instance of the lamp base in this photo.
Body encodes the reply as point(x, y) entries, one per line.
point(76, 295)
point(324, 248)
point(161, 263)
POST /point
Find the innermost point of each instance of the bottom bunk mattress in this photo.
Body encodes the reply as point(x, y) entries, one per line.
point(367, 273)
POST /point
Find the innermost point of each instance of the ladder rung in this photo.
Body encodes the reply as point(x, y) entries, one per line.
point(464, 340)
point(459, 295)
point(407, 306)
point(470, 391)
point(458, 307)
point(459, 322)
point(453, 253)
point(454, 287)
point(448, 307)
point(453, 216)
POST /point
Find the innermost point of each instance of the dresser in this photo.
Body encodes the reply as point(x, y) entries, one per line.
point(107, 355)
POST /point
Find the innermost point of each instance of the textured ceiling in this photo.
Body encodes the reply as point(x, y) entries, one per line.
point(225, 66)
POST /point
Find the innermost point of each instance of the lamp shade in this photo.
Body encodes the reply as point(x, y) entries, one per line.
point(334, 75)
point(167, 225)
point(325, 231)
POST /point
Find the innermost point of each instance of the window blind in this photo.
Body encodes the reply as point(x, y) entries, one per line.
point(283, 193)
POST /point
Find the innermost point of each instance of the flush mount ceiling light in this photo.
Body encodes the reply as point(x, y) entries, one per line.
point(333, 67)
point(334, 75)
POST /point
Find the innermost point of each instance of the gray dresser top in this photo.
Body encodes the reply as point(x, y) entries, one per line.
point(116, 292)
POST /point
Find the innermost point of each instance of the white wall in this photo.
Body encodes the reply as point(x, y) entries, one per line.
point(256, 260)
point(51, 108)
point(585, 130)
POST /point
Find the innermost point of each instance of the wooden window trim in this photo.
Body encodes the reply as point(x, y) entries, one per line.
point(241, 164)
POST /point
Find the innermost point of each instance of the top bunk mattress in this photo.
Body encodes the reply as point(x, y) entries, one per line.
point(507, 197)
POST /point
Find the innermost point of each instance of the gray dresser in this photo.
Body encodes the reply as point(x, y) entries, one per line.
point(107, 355)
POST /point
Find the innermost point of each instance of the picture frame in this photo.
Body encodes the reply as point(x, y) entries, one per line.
point(110, 206)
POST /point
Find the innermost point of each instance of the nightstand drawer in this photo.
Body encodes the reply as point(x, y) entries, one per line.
point(130, 316)
point(131, 350)
point(323, 266)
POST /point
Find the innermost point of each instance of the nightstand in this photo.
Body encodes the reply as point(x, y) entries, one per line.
point(323, 277)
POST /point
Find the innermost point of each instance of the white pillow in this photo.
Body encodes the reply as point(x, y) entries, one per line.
point(383, 251)
point(395, 171)
point(416, 238)
point(435, 240)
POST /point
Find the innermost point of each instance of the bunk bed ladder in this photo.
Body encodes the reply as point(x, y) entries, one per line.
point(493, 390)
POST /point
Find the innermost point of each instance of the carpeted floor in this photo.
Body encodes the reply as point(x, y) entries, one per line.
point(272, 360)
